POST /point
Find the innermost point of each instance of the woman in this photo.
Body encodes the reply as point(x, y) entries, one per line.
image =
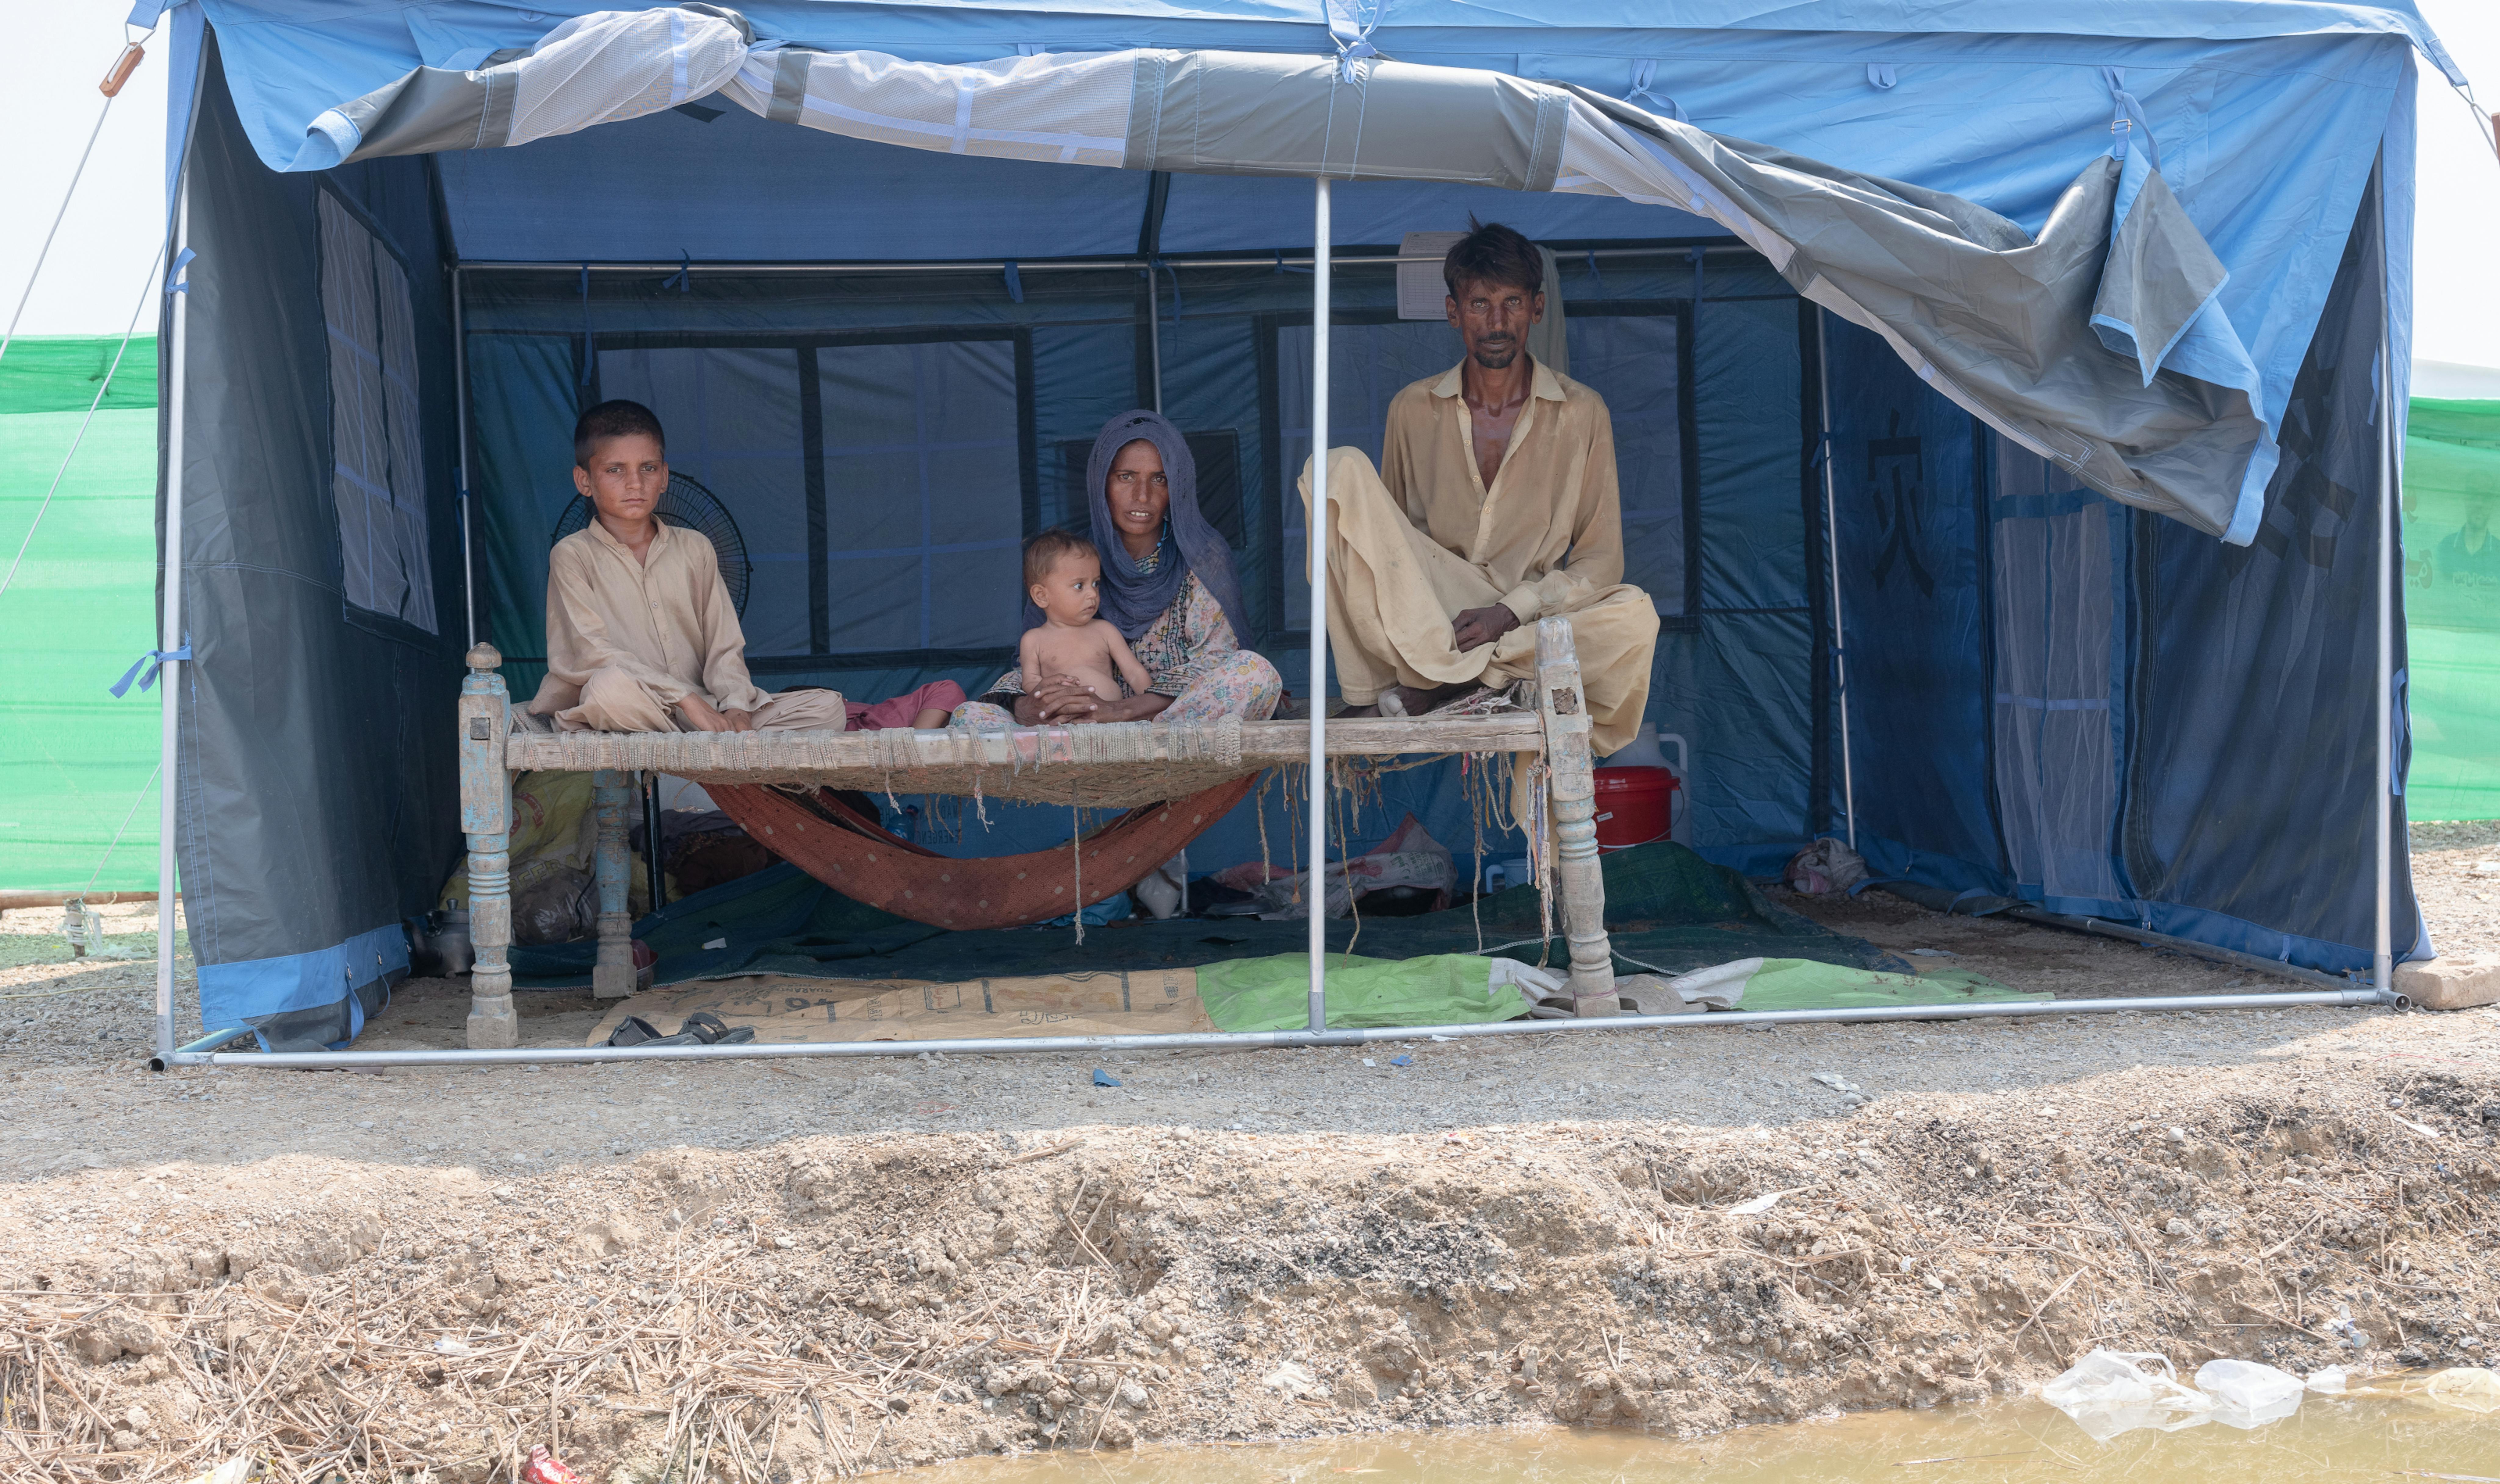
point(1167, 583)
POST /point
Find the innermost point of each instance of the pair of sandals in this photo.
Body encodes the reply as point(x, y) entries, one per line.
point(701, 1028)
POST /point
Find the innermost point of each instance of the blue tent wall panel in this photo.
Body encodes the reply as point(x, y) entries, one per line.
point(1912, 586)
point(316, 797)
point(2248, 811)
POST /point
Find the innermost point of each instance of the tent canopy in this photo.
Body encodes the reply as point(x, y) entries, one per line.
point(2055, 698)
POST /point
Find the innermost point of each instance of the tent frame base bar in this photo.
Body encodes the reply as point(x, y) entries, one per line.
point(2099, 928)
point(190, 1051)
point(1286, 1040)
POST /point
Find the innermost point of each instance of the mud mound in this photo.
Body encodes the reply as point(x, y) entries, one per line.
point(828, 1304)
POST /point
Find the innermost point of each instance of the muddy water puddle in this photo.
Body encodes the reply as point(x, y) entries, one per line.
point(2374, 1436)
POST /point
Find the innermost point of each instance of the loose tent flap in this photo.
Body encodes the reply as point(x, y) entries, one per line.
point(2023, 333)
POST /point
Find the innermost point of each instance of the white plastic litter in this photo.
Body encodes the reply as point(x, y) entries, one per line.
point(2467, 1388)
point(2329, 1381)
point(2246, 1394)
point(1760, 1202)
point(2110, 1392)
point(1717, 987)
point(1529, 980)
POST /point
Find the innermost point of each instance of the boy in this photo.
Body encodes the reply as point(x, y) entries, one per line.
point(1062, 574)
point(640, 632)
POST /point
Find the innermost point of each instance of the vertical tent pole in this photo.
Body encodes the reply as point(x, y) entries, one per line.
point(2383, 966)
point(169, 636)
point(1155, 331)
point(460, 419)
point(1832, 550)
point(1315, 894)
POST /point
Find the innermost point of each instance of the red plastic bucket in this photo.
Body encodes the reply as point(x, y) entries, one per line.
point(1635, 806)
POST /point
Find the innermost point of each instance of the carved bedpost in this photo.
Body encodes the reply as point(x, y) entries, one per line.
point(612, 977)
point(1572, 789)
point(486, 818)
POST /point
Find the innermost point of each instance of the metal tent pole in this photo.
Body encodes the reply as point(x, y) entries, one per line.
point(1832, 550)
point(169, 636)
point(2383, 965)
point(1315, 895)
point(1155, 331)
point(460, 419)
point(2356, 998)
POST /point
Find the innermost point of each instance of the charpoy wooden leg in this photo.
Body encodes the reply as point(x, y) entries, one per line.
point(486, 817)
point(1572, 788)
point(612, 977)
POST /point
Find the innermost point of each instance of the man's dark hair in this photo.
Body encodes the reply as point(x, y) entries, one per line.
point(1492, 253)
point(618, 419)
point(1042, 553)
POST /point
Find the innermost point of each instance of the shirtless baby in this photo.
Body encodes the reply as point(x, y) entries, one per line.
point(1063, 573)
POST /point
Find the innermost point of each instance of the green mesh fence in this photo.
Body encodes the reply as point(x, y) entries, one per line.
point(2453, 609)
point(72, 760)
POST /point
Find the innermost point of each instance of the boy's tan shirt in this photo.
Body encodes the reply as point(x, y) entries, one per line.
point(666, 620)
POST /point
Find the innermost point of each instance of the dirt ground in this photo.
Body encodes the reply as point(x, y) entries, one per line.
point(797, 1270)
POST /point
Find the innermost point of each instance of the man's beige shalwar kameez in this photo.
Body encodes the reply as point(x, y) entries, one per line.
point(627, 640)
point(1416, 542)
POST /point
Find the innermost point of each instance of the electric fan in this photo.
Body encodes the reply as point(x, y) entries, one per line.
point(688, 507)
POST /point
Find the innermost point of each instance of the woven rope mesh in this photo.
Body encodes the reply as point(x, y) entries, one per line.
point(1111, 766)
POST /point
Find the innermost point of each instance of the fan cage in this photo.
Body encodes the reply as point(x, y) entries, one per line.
point(689, 506)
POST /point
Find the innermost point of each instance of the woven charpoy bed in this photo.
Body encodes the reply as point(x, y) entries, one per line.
point(1173, 781)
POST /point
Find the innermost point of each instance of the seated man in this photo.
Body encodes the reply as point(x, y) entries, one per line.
point(640, 634)
point(1494, 506)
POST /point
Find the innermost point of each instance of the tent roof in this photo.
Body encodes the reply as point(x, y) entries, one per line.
point(936, 30)
point(290, 59)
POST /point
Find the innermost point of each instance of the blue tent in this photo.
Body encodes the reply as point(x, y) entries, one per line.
point(1883, 615)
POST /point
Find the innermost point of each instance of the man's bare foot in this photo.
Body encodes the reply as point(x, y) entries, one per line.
point(1416, 700)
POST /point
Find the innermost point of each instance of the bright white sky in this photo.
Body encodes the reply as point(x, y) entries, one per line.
point(98, 267)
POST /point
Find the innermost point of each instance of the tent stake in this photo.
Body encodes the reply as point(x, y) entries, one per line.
point(1314, 883)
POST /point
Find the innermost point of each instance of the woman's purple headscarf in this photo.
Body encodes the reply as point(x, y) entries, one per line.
point(1133, 599)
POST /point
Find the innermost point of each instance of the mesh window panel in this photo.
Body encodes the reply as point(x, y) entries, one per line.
point(1368, 364)
point(1630, 361)
point(732, 416)
point(923, 495)
point(2057, 756)
point(377, 460)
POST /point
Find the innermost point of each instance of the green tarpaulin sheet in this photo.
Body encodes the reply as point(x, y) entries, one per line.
point(1264, 994)
point(1273, 993)
point(2451, 543)
point(76, 765)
